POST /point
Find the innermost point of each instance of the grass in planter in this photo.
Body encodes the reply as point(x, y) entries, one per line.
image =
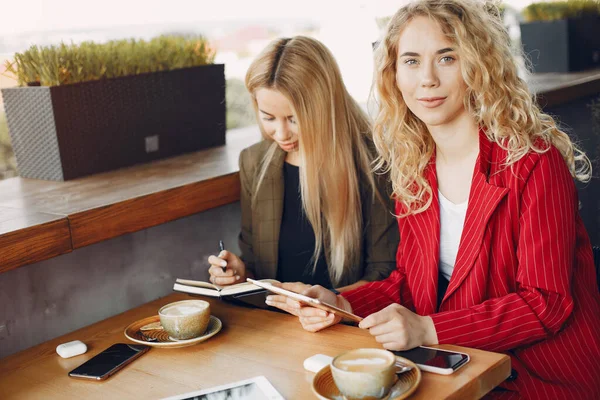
point(65, 64)
point(550, 11)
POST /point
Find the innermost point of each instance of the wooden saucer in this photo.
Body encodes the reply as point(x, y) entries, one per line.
point(139, 332)
point(324, 387)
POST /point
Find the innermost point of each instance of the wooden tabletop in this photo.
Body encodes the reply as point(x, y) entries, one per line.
point(43, 219)
point(252, 342)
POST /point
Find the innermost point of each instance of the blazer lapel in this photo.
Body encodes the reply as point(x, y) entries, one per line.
point(267, 212)
point(426, 228)
point(270, 213)
point(483, 200)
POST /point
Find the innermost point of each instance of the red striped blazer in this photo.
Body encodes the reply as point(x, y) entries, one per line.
point(524, 281)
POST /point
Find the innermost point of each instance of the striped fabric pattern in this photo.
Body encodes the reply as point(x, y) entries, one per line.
point(524, 281)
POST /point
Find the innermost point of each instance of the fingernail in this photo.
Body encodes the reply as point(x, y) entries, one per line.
point(269, 298)
point(223, 263)
point(237, 277)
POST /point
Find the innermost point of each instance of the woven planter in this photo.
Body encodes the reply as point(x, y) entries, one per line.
point(562, 46)
point(65, 132)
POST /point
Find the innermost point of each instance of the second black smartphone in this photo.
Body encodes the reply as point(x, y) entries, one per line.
point(108, 362)
point(435, 360)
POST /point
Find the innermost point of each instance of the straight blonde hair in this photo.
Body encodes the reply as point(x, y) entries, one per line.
point(498, 99)
point(334, 154)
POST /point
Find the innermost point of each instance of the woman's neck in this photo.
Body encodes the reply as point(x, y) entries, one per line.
point(293, 157)
point(457, 148)
point(455, 141)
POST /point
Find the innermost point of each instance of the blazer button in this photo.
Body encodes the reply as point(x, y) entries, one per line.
point(513, 375)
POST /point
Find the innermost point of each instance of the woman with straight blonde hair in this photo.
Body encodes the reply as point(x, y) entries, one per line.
point(493, 253)
point(312, 210)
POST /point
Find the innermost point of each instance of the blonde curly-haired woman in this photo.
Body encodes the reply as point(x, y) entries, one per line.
point(493, 253)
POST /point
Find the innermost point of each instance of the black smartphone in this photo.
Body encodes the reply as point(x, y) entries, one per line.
point(108, 362)
point(435, 360)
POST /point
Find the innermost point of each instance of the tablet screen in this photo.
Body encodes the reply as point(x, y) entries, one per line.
point(242, 392)
point(257, 388)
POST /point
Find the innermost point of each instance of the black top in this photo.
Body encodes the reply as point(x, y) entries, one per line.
point(442, 287)
point(297, 238)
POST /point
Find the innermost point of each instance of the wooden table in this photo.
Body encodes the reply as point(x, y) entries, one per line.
point(253, 342)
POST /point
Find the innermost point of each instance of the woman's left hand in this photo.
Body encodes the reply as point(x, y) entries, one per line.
point(285, 303)
point(398, 328)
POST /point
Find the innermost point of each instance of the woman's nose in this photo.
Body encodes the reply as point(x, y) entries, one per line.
point(282, 133)
point(429, 76)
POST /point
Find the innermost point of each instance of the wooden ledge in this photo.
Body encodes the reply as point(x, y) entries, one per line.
point(27, 237)
point(553, 89)
point(43, 219)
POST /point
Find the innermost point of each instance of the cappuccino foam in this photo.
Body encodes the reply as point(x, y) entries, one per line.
point(362, 364)
point(178, 310)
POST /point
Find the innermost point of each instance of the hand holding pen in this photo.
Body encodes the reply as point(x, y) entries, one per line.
point(226, 268)
point(221, 250)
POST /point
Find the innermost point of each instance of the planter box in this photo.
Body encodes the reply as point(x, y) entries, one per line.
point(65, 132)
point(562, 46)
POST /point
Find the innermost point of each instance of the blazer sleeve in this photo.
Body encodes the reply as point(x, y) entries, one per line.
point(545, 251)
point(375, 296)
point(381, 238)
point(245, 236)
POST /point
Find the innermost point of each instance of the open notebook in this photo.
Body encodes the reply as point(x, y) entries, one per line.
point(212, 290)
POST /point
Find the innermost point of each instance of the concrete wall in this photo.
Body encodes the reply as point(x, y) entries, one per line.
point(44, 300)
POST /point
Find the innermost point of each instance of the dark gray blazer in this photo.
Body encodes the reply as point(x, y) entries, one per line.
point(259, 238)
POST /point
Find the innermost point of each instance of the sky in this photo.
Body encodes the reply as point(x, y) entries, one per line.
point(47, 15)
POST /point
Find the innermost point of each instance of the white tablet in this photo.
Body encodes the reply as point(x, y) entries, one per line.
point(309, 301)
point(257, 388)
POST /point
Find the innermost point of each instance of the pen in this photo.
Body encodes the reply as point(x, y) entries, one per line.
point(221, 248)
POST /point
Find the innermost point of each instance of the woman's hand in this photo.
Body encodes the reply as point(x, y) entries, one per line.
point(285, 303)
point(311, 318)
point(398, 328)
point(235, 272)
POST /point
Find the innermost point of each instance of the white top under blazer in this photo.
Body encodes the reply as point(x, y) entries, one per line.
point(452, 220)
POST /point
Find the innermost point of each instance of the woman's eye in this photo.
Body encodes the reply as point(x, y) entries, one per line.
point(292, 121)
point(447, 59)
point(410, 61)
point(268, 119)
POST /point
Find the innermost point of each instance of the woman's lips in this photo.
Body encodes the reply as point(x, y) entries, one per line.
point(288, 146)
point(431, 102)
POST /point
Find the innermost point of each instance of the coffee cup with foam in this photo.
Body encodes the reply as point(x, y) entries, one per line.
point(364, 373)
point(186, 319)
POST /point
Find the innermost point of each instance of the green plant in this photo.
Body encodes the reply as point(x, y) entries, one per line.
point(64, 64)
point(550, 11)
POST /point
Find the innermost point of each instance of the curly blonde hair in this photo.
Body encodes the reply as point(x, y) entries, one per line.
point(498, 99)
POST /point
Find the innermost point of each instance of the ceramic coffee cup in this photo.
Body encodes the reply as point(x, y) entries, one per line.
point(364, 373)
point(185, 319)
